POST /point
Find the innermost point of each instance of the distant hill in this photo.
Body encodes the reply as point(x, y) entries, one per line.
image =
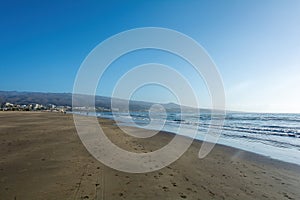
point(65, 99)
point(35, 97)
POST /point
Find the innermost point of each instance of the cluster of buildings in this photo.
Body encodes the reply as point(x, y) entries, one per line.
point(33, 107)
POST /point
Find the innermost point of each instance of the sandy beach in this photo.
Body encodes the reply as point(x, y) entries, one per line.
point(42, 157)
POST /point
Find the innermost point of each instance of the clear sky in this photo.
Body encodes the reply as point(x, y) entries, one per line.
point(255, 45)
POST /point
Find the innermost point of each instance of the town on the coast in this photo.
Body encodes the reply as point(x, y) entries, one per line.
point(7, 106)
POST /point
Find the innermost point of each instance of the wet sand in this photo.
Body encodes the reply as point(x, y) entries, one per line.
point(42, 157)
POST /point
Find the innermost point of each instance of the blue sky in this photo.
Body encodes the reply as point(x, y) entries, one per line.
point(255, 44)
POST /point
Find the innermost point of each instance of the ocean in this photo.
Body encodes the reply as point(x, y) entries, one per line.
point(273, 135)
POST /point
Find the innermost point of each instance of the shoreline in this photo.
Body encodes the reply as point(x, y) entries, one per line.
point(281, 162)
point(43, 158)
point(219, 142)
point(163, 132)
point(248, 155)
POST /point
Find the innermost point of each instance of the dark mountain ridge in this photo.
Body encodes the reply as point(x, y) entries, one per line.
point(65, 99)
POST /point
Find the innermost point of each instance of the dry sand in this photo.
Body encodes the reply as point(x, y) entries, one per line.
point(41, 157)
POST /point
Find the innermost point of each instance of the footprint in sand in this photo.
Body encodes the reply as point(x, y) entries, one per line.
point(182, 195)
point(287, 196)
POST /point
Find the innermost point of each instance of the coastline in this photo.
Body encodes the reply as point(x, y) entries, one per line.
point(42, 157)
point(277, 148)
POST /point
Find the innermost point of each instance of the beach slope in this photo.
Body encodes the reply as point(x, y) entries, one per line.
point(42, 157)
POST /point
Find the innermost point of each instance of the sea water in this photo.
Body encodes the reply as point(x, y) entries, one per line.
point(273, 135)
